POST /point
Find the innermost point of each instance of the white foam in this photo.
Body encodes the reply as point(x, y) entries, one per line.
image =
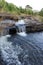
point(22, 34)
point(9, 52)
point(20, 22)
point(8, 35)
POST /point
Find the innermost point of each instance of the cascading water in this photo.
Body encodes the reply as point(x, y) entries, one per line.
point(21, 27)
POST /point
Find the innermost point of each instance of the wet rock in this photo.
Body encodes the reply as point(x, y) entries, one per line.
point(34, 27)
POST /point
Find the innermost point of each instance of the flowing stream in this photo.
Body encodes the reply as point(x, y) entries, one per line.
point(22, 48)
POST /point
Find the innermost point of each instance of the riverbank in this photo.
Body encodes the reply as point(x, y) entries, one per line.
point(32, 23)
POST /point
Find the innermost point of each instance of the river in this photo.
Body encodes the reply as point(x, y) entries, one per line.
point(22, 49)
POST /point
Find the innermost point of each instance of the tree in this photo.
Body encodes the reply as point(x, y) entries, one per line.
point(21, 9)
point(41, 12)
point(28, 7)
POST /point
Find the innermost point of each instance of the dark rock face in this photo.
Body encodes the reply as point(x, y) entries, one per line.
point(34, 28)
point(12, 31)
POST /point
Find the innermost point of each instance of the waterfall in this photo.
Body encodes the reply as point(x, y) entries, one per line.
point(21, 28)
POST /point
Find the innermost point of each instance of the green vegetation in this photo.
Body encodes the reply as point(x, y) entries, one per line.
point(41, 12)
point(13, 9)
point(8, 7)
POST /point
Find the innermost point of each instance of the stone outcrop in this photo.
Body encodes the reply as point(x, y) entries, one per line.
point(34, 28)
point(33, 25)
point(8, 16)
